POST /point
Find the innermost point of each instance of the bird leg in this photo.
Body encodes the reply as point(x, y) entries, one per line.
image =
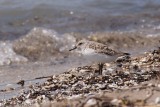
point(100, 68)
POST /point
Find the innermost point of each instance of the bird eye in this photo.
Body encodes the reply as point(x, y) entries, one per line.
point(80, 43)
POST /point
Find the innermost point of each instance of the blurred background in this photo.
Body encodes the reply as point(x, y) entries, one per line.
point(18, 17)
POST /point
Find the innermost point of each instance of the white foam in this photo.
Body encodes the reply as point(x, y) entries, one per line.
point(8, 56)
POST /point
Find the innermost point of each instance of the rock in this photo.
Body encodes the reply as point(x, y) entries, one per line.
point(157, 100)
point(116, 102)
point(28, 101)
point(91, 103)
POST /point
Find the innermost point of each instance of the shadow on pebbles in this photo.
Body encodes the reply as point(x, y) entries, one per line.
point(133, 81)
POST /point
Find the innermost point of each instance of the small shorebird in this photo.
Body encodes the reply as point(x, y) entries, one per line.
point(97, 52)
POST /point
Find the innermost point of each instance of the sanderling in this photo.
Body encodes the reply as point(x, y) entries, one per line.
point(97, 52)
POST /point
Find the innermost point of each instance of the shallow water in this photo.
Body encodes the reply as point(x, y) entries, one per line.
point(35, 36)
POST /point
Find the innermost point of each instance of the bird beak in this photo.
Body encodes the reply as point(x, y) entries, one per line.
point(73, 48)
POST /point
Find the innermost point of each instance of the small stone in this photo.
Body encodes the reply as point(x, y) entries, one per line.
point(144, 60)
point(108, 71)
point(150, 84)
point(90, 103)
point(43, 97)
point(116, 102)
point(28, 101)
point(158, 85)
point(157, 100)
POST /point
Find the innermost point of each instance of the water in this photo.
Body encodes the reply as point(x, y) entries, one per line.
point(77, 16)
point(35, 36)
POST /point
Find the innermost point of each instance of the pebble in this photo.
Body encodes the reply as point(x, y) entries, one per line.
point(28, 101)
point(91, 103)
point(78, 82)
point(116, 102)
point(157, 100)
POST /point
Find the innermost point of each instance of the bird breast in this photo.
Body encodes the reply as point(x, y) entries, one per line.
point(88, 51)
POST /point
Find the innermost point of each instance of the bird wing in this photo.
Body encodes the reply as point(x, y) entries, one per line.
point(103, 49)
point(106, 51)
